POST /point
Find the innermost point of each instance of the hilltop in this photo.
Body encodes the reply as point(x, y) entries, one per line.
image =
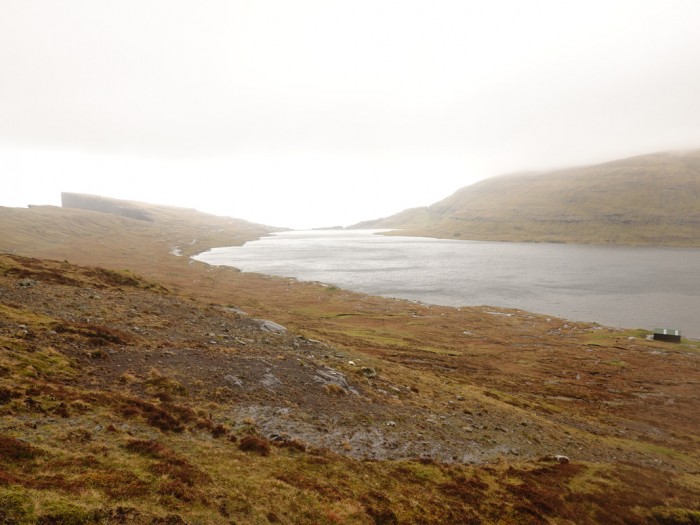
point(139, 386)
point(650, 199)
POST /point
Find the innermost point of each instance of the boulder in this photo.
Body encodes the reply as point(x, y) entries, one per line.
point(329, 376)
point(271, 326)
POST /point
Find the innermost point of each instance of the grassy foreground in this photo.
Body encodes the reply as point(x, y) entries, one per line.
point(141, 387)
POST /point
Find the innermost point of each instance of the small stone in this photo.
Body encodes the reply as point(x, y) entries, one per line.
point(234, 310)
point(233, 380)
point(369, 372)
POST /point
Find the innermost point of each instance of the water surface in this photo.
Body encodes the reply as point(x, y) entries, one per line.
point(623, 286)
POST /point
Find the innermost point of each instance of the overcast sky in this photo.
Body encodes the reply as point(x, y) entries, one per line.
point(318, 113)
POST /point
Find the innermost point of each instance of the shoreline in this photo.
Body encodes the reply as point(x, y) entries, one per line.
point(451, 298)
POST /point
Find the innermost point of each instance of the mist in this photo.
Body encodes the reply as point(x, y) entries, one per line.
point(327, 113)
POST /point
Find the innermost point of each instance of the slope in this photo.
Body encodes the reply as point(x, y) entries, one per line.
point(650, 199)
point(126, 399)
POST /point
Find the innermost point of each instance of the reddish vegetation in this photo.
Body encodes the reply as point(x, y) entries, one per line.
point(154, 415)
point(255, 444)
point(97, 335)
point(16, 451)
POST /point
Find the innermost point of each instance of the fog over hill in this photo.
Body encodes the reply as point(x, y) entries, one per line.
point(650, 199)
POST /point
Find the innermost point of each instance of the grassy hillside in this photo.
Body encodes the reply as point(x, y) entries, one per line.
point(142, 387)
point(87, 235)
point(651, 199)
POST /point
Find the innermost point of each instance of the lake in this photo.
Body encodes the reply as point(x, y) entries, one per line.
point(622, 286)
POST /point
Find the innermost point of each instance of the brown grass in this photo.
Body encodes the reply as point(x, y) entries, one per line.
point(255, 444)
point(156, 416)
point(97, 335)
point(13, 450)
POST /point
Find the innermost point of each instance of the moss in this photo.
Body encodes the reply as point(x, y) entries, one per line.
point(163, 387)
point(62, 513)
point(48, 363)
point(20, 315)
point(671, 516)
point(421, 472)
point(16, 507)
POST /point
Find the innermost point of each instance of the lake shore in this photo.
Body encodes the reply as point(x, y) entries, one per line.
point(620, 286)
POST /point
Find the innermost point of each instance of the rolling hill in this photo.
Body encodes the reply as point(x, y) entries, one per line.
point(651, 200)
point(86, 222)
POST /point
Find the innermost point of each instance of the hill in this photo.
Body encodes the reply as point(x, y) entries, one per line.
point(138, 386)
point(650, 199)
point(89, 226)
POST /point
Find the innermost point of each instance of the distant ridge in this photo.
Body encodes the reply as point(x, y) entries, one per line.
point(645, 200)
point(122, 208)
point(52, 232)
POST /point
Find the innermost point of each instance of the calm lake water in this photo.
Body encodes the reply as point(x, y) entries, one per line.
point(635, 287)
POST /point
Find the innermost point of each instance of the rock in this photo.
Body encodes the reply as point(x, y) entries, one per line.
point(271, 326)
point(369, 372)
point(27, 283)
point(270, 381)
point(233, 380)
point(329, 376)
point(233, 310)
point(561, 459)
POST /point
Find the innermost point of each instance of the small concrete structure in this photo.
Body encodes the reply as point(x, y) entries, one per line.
point(670, 335)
